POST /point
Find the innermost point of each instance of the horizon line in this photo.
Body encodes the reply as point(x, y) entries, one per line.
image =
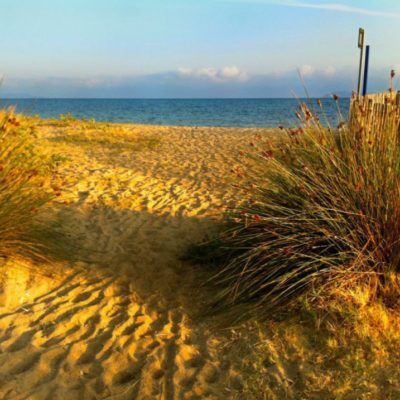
point(175, 98)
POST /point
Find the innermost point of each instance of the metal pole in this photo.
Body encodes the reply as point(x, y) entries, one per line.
point(361, 47)
point(366, 70)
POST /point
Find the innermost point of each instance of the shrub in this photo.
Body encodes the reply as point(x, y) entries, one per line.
point(322, 208)
point(23, 193)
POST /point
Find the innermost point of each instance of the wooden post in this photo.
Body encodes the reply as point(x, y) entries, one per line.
point(361, 47)
point(366, 71)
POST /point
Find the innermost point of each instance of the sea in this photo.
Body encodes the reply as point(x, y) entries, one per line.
point(183, 112)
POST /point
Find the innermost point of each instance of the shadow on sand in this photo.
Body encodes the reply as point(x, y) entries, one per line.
point(124, 321)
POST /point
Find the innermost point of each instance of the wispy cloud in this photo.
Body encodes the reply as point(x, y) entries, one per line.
point(336, 7)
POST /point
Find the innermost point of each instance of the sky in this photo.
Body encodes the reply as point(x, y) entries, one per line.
point(193, 48)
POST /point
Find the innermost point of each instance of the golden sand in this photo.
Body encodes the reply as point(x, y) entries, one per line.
point(121, 324)
point(121, 317)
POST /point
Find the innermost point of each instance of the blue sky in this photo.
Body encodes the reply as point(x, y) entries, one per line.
point(192, 48)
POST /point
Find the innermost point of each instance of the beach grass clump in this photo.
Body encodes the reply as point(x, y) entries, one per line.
point(24, 191)
point(321, 210)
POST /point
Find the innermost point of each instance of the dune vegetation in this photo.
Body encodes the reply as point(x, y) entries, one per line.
point(310, 258)
point(24, 187)
point(321, 212)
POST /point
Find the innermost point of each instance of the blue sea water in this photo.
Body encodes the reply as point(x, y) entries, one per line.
point(186, 112)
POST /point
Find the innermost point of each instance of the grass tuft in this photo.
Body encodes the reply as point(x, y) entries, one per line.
point(23, 189)
point(321, 210)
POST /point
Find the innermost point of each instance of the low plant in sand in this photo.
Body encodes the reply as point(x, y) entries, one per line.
point(68, 117)
point(23, 192)
point(114, 137)
point(322, 210)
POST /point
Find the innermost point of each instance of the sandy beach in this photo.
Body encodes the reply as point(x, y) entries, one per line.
point(121, 324)
point(200, 200)
point(120, 315)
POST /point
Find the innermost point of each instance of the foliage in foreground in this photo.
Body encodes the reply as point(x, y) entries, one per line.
point(351, 353)
point(23, 192)
point(322, 208)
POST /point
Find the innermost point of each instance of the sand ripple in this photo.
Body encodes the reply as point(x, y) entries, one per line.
point(122, 324)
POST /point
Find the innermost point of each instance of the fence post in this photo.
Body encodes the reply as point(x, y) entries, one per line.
point(366, 70)
point(361, 47)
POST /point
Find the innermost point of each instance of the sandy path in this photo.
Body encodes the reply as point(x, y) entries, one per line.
point(122, 324)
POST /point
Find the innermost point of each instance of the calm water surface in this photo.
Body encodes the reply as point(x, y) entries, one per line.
point(189, 112)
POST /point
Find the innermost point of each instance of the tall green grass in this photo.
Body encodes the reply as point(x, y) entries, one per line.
point(24, 193)
point(322, 210)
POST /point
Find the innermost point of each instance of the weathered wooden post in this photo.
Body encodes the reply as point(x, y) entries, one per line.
point(361, 47)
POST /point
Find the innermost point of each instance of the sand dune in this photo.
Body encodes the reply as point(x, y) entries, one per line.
point(123, 323)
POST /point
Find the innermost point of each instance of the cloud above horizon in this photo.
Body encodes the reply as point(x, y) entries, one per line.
point(308, 70)
point(211, 82)
point(184, 47)
point(336, 7)
point(225, 74)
